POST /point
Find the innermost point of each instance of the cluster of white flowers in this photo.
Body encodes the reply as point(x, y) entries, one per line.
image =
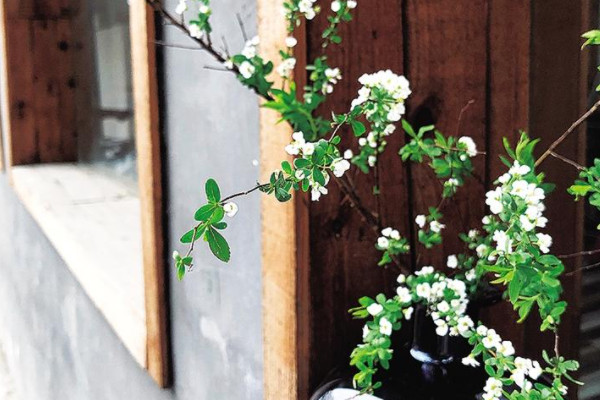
point(181, 7)
point(492, 389)
point(387, 234)
point(300, 147)
point(397, 86)
point(333, 76)
point(249, 51)
point(336, 5)
point(373, 140)
point(525, 367)
point(286, 67)
point(448, 314)
point(514, 189)
point(307, 7)
point(434, 226)
point(291, 41)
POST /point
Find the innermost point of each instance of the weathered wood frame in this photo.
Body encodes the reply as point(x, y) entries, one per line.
point(24, 148)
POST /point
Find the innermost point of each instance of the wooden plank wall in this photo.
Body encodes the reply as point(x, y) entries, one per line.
point(495, 53)
point(40, 99)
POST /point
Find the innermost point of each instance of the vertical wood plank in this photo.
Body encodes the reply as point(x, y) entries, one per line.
point(343, 257)
point(447, 53)
point(149, 174)
point(279, 246)
point(509, 33)
point(556, 58)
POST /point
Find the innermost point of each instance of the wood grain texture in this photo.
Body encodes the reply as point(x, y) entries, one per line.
point(509, 31)
point(446, 66)
point(279, 235)
point(39, 71)
point(556, 58)
point(150, 185)
point(342, 254)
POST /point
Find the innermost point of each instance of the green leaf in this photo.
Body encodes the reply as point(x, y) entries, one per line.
point(187, 237)
point(217, 244)
point(213, 194)
point(205, 212)
point(358, 128)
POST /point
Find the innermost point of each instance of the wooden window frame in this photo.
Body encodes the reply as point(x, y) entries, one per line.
point(146, 115)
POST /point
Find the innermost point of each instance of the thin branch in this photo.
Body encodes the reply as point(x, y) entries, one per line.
point(176, 46)
point(257, 187)
point(567, 160)
point(587, 267)
point(581, 253)
point(242, 28)
point(566, 133)
point(460, 115)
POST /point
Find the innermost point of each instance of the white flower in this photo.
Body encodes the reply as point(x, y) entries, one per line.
point(371, 160)
point(464, 325)
point(230, 209)
point(471, 275)
point(401, 278)
point(362, 142)
point(306, 8)
point(404, 294)
point(181, 7)
point(308, 149)
point(351, 4)
point(504, 178)
point(518, 169)
point(336, 6)
point(316, 191)
point(534, 369)
point(526, 224)
point(481, 250)
point(470, 361)
point(494, 200)
point(340, 166)
point(519, 188)
point(246, 69)
point(374, 309)
point(519, 377)
point(436, 227)
point(291, 41)
point(482, 330)
point(195, 32)
point(493, 387)
point(442, 327)
point(365, 331)
point(503, 242)
point(544, 242)
point(286, 67)
point(420, 220)
point(299, 174)
point(486, 220)
point(426, 270)
point(423, 290)
point(333, 75)
point(395, 234)
point(473, 233)
point(385, 326)
point(383, 242)
point(491, 340)
point(176, 255)
point(452, 261)
point(443, 307)
point(408, 312)
point(348, 154)
point(298, 141)
point(204, 9)
point(470, 146)
point(228, 64)
point(386, 231)
point(506, 348)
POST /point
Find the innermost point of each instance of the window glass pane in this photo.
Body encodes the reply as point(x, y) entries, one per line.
point(105, 113)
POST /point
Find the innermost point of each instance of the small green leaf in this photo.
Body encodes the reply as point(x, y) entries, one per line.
point(213, 194)
point(205, 212)
point(217, 244)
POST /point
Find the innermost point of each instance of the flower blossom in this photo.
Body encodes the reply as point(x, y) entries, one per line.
point(230, 209)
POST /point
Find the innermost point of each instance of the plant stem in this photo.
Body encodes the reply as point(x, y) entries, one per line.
point(567, 160)
point(566, 133)
point(581, 253)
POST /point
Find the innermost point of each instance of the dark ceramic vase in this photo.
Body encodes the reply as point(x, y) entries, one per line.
point(428, 367)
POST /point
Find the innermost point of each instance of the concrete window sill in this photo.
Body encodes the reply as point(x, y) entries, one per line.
point(93, 221)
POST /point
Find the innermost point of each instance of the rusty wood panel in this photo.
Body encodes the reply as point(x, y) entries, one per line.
point(446, 65)
point(508, 113)
point(66, 83)
point(342, 254)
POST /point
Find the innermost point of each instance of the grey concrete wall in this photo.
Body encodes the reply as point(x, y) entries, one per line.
point(58, 344)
